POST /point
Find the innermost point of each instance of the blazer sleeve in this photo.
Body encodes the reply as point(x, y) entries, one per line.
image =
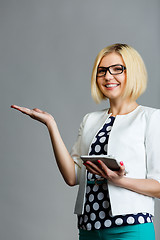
point(76, 151)
point(152, 143)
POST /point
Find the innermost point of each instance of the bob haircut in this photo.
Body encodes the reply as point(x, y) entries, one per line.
point(136, 74)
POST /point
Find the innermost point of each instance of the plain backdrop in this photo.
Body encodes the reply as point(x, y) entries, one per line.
point(47, 50)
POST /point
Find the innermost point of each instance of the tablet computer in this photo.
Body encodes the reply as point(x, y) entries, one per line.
point(109, 160)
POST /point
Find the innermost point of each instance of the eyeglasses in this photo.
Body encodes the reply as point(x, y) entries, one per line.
point(113, 70)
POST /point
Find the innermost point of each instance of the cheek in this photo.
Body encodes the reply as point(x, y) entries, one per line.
point(98, 83)
point(100, 87)
point(122, 80)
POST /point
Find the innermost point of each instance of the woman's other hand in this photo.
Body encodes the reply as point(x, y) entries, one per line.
point(36, 114)
point(105, 172)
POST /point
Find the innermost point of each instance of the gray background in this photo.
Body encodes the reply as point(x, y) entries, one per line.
point(47, 50)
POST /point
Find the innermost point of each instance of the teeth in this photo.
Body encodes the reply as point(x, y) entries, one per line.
point(111, 85)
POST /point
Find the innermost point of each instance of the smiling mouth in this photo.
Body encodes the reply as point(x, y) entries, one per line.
point(111, 85)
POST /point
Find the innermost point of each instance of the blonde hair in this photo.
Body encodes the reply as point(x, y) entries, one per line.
point(136, 74)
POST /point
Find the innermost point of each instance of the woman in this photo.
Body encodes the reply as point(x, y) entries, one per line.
point(113, 204)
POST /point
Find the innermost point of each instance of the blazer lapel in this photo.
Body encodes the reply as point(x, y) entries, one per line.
point(92, 128)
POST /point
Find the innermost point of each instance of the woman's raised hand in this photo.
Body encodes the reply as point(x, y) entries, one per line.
point(63, 158)
point(36, 114)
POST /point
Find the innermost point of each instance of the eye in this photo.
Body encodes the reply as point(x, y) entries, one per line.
point(117, 68)
point(101, 71)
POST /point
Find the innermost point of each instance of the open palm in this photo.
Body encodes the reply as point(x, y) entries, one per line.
point(35, 113)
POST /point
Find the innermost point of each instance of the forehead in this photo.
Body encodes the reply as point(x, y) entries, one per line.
point(111, 59)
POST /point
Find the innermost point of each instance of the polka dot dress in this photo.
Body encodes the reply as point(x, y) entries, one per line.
point(97, 209)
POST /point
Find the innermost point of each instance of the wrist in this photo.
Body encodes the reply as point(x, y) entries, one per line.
point(50, 123)
point(119, 182)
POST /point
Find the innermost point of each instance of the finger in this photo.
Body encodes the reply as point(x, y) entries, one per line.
point(91, 170)
point(27, 111)
point(103, 166)
point(109, 174)
point(96, 168)
point(22, 109)
point(15, 107)
point(108, 171)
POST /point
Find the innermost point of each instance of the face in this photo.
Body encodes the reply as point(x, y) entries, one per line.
point(112, 86)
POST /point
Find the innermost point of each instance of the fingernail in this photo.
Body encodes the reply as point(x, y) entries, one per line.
point(99, 161)
point(12, 106)
point(121, 163)
point(87, 163)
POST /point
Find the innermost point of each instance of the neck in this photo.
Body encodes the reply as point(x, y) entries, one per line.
point(123, 107)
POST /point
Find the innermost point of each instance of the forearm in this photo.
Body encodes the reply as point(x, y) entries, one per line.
point(64, 160)
point(149, 187)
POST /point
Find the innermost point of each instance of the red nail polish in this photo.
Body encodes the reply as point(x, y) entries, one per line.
point(99, 161)
point(121, 163)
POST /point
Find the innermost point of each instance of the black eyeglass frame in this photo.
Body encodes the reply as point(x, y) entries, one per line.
point(108, 69)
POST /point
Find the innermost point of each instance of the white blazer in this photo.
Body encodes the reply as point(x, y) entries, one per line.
point(135, 140)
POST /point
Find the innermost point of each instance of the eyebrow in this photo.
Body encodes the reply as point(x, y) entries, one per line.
point(111, 65)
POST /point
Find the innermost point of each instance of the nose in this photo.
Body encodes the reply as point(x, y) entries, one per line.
point(108, 76)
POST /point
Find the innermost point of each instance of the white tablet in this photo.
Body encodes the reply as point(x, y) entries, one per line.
point(109, 160)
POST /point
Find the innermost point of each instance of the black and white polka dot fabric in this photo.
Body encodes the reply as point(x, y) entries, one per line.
point(97, 209)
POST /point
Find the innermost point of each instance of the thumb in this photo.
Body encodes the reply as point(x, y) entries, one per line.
point(122, 168)
point(38, 110)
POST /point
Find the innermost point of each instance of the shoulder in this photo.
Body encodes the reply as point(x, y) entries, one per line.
point(148, 109)
point(99, 113)
point(152, 118)
point(150, 112)
point(92, 118)
point(96, 114)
